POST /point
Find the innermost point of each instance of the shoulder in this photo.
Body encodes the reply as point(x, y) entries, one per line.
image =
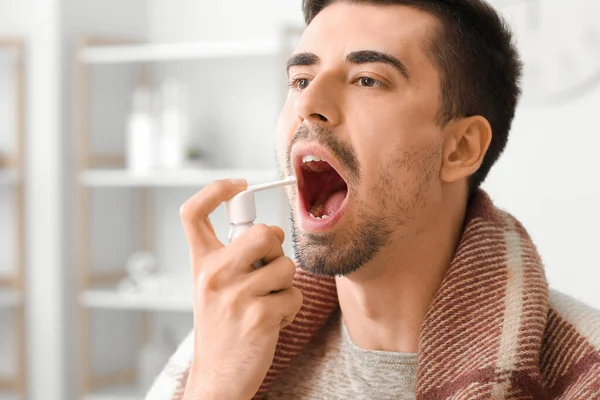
point(170, 383)
point(584, 318)
point(570, 357)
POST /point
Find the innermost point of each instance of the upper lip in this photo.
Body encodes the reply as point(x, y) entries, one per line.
point(313, 149)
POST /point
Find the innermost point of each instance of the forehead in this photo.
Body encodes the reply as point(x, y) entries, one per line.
point(402, 31)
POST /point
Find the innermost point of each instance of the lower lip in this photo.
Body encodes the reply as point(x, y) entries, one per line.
point(310, 224)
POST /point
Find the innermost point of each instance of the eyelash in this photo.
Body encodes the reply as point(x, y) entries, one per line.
point(294, 83)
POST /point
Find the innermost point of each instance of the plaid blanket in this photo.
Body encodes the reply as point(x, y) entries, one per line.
point(493, 331)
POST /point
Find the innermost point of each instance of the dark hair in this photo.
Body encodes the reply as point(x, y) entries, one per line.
point(479, 66)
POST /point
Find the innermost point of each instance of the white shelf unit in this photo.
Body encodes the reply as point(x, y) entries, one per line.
point(6, 395)
point(10, 298)
point(8, 177)
point(12, 287)
point(111, 299)
point(119, 392)
point(97, 171)
point(195, 178)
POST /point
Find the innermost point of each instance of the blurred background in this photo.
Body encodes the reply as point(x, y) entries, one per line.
point(113, 113)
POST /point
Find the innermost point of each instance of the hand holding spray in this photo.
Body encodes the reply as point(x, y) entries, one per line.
point(241, 209)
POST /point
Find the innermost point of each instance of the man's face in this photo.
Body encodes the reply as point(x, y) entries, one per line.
point(364, 99)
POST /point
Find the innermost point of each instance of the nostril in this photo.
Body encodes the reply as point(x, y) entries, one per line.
point(322, 118)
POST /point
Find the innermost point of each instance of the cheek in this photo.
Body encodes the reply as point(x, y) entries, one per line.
point(399, 174)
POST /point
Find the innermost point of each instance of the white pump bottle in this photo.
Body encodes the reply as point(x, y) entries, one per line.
point(241, 209)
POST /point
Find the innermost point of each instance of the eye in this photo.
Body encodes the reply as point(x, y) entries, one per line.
point(368, 82)
point(299, 84)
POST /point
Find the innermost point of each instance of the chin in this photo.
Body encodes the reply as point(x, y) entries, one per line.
point(338, 252)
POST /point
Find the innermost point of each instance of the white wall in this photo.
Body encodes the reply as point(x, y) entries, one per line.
point(548, 178)
point(45, 218)
point(548, 175)
point(38, 22)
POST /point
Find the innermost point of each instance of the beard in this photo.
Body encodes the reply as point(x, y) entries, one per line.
point(343, 252)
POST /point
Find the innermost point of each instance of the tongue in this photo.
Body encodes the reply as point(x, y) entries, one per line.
point(334, 202)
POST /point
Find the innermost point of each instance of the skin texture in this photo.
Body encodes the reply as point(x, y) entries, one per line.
point(408, 188)
point(407, 181)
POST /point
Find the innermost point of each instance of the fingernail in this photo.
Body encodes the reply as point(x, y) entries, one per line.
point(238, 182)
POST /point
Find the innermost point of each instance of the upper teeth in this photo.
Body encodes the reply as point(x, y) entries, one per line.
point(310, 158)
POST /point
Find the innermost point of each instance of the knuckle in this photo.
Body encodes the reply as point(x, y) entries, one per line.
point(232, 305)
point(211, 276)
point(207, 281)
point(262, 233)
point(258, 315)
point(185, 211)
point(216, 186)
point(290, 267)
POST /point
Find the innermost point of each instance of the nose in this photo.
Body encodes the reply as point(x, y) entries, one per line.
point(320, 102)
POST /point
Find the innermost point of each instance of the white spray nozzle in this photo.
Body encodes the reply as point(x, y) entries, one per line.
point(241, 209)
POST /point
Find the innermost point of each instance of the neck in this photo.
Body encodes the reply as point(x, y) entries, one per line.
point(384, 303)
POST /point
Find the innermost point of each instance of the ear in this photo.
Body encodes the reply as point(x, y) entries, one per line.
point(466, 142)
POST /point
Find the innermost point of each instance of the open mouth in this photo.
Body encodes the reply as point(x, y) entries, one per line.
point(322, 189)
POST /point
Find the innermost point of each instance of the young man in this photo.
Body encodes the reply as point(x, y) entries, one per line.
point(411, 283)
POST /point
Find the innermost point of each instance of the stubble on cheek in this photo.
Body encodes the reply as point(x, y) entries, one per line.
point(403, 180)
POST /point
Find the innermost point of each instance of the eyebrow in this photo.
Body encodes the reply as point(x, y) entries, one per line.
point(356, 57)
point(302, 59)
point(372, 56)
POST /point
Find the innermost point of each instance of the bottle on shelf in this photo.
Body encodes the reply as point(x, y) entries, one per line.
point(142, 135)
point(173, 125)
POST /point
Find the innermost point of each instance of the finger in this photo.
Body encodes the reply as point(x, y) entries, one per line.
point(286, 303)
point(257, 243)
point(278, 232)
point(275, 276)
point(194, 213)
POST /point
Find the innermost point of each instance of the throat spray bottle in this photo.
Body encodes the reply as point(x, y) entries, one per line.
point(241, 209)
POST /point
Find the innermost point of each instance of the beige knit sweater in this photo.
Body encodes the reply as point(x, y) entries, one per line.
point(332, 367)
point(493, 330)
